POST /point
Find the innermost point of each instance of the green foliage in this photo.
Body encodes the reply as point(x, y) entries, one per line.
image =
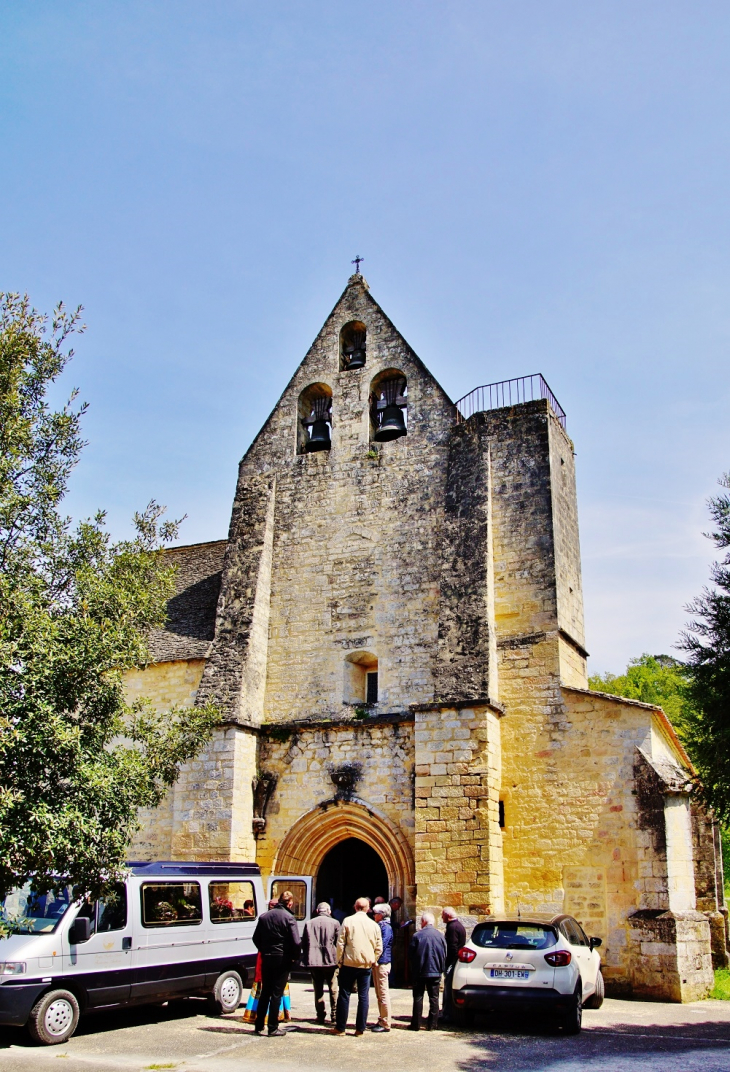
point(707, 643)
point(652, 679)
point(725, 842)
point(721, 989)
point(76, 762)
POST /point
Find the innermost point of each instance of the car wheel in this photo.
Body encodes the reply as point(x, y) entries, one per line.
point(572, 1022)
point(54, 1017)
point(596, 999)
point(462, 1017)
point(227, 993)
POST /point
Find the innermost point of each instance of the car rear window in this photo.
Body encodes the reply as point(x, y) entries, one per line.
point(513, 935)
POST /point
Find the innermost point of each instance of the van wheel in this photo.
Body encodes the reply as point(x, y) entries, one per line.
point(596, 999)
point(54, 1017)
point(227, 993)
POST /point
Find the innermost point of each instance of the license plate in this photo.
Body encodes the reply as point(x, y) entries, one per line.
point(508, 973)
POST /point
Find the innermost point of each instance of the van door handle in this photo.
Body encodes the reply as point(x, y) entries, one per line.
point(127, 943)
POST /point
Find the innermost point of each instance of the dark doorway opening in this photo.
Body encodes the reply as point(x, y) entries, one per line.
point(351, 870)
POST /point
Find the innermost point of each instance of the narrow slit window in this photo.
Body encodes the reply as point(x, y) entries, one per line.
point(501, 814)
point(372, 687)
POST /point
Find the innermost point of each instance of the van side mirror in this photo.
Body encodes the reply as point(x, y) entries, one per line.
point(80, 930)
point(594, 942)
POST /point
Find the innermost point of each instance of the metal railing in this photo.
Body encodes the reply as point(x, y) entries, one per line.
point(508, 393)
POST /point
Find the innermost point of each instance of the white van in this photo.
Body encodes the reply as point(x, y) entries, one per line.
point(170, 930)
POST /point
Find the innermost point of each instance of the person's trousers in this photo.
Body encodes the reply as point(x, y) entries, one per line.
point(274, 975)
point(448, 1011)
point(381, 980)
point(321, 978)
point(430, 985)
point(349, 978)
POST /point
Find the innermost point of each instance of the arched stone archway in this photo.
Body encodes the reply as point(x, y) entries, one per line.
point(310, 839)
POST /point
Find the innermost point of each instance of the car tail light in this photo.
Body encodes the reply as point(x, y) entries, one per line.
point(466, 956)
point(561, 959)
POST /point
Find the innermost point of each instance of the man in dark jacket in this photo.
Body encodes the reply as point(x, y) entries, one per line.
point(455, 940)
point(427, 959)
point(319, 954)
point(277, 939)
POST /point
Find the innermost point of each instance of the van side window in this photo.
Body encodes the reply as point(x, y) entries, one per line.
point(111, 911)
point(231, 902)
point(171, 904)
point(88, 911)
point(298, 892)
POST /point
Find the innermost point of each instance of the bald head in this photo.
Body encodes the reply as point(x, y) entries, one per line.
point(362, 904)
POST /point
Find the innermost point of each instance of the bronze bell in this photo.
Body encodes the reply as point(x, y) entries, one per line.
point(355, 351)
point(318, 426)
point(319, 438)
point(392, 425)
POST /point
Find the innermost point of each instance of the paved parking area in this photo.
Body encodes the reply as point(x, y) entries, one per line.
point(623, 1036)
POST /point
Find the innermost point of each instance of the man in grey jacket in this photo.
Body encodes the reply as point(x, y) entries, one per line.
point(319, 954)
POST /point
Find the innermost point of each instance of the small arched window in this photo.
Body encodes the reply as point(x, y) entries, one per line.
point(389, 406)
point(361, 678)
point(314, 426)
point(353, 338)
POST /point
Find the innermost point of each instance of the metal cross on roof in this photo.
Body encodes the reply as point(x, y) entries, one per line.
point(356, 262)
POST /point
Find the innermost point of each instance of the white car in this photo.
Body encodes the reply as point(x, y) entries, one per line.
point(541, 964)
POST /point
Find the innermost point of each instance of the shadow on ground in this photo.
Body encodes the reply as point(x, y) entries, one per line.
point(522, 1044)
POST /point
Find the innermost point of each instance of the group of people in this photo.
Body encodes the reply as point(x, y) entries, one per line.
point(348, 956)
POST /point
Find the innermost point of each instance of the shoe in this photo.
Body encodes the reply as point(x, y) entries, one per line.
point(379, 1028)
point(413, 1027)
point(334, 1031)
point(259, 1033)
point(277, 1034)
point(357, 1033)
point(320, 1022)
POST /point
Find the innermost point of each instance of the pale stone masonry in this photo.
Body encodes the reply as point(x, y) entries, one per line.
point(484, 773)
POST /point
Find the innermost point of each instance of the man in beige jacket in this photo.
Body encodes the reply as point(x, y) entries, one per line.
point(359, 946)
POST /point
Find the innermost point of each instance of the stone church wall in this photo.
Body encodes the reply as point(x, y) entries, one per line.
point(356, 552)
point(303, 759)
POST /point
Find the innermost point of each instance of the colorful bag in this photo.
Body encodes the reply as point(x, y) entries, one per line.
point(249, 1016)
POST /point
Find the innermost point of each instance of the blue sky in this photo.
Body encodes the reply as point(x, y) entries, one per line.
point(535, 186)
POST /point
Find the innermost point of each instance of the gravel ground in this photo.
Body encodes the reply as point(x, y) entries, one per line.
point(624, 1035)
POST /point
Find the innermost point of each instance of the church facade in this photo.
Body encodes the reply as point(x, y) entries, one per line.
point(393, 631)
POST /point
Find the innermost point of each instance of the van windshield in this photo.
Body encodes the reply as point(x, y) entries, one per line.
point(513, 935)
point(24, 912)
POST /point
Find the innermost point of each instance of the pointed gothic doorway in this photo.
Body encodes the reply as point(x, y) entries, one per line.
point(351, 869)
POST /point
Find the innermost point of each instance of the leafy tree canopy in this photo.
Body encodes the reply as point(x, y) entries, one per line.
point(652, 679)
point(707, 643)
point(76, 761)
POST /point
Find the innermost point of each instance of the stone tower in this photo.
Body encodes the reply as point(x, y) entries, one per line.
point(394, 633)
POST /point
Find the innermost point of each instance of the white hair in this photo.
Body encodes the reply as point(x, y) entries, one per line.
point(450, 912)
point(323, 909)
point(428, 919)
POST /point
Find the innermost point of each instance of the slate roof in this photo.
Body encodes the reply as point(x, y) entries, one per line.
point(191, 611)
